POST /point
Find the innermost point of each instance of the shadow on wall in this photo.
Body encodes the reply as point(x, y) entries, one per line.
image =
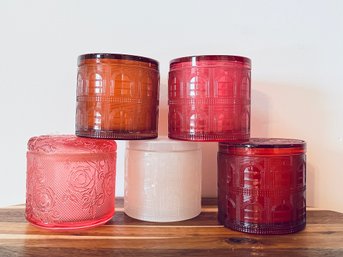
point(259, 115)
point(293, 111)
point(163, 121)
point(310, 185)
point(163, 109)
point(209, 169)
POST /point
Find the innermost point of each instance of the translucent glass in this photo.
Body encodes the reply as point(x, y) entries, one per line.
point(70, 182)
point(117, 96)
point(261, 186)
point(209, 98)
point(162, 180)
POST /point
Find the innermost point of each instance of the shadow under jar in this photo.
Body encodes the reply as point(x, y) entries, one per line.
point(209, 98)
point(261, 185)
point(70, 182)
point(117, 96)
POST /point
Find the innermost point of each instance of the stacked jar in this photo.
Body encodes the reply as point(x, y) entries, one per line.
point(209, 98)
point(117, 96)
point(71, 180)
point(261, 182)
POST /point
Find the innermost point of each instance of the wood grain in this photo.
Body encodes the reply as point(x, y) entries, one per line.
point(201, 236)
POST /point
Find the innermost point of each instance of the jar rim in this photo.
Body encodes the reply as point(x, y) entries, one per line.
point(264, 146)
point(162, 144)
point(116, 56)
point(196, 58)
point(267, 143)
point(60, 144)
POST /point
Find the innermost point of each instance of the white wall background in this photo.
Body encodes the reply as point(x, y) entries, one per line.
point(296, 49)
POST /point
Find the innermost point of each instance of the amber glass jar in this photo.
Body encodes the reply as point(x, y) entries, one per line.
point(117, 96)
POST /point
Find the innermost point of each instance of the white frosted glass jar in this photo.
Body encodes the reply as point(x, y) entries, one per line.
point(162, 180)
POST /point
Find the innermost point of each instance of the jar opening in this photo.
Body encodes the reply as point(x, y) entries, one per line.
point(199, 58)
point(84, 57)
point(265, 146)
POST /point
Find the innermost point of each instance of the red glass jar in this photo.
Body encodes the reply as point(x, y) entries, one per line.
point(117, 96)
point(209, 98)
point(70, 182)
point(261, 186)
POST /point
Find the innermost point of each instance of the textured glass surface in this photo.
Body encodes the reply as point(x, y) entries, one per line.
point(70, 182)
point(261, 186)
point(117, 98)
point(209, 98)
point(162, 182)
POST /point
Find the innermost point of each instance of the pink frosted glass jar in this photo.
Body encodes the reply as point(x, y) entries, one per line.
point(209, 98)
point(70, 182)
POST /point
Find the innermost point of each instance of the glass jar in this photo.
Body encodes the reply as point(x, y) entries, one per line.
point(70, 182)
point(162, 180)
point(117, 96)
point(261, 185)
point(209, 98)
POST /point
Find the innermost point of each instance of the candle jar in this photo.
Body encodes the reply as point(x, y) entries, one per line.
point(209, 98)
point(117, 96)
point(162, 180)
point(261, 186)
point(70, 182)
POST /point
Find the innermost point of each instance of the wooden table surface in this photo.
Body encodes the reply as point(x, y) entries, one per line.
point(201, 236)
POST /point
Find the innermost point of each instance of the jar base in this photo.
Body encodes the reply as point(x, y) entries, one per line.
point(164, 219)
point(210, 137)
point(266, 229)
point(113, 134)
point(72, 225)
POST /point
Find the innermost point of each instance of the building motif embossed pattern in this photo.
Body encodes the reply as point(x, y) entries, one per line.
point(209, 100)
point(262, 193)
point(117, 98)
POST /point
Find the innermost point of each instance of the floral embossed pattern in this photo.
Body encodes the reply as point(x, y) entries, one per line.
point(69, 190)
point(40, 197)
point(69, 143)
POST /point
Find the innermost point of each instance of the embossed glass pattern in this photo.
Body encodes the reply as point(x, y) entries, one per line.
point(162, 180)
point(117, 96)
point(70, 182)
point(261, 186)
point(209, 98)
